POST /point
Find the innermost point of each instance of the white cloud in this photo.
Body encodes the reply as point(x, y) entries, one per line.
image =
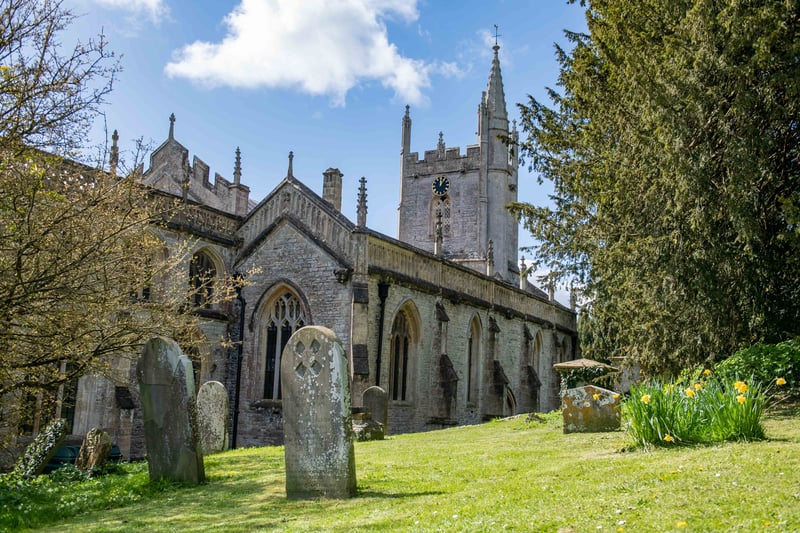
point(155, 9)
point(322, 47)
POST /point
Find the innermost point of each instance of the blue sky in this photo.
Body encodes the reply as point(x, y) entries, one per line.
point(326, 79)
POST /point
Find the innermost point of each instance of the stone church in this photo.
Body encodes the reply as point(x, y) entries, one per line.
point(441, 317)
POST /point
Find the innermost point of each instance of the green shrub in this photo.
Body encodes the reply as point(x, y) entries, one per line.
point(764, 363)
point(588, 375)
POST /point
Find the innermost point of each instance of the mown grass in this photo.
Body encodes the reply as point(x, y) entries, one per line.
point(504, 475)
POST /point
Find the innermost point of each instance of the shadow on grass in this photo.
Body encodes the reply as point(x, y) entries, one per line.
point(785, 409)
point(398, 495)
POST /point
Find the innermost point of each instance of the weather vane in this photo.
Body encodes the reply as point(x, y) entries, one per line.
point(496, 35)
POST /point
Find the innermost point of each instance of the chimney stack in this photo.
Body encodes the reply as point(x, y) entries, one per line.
point(332, 187)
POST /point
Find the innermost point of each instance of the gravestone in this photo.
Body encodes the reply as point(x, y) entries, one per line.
point(590, 409)
point(317, 426)
point(212, 417)
point(36, 456)
point(94, 450)
point(376, 402)
point(166, 389)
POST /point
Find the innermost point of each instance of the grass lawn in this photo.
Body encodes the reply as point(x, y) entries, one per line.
point(503, 475)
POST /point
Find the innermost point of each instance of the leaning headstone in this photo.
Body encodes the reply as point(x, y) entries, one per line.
point(318, 432)
point(36, 456)
point(590, 409)
point(166, 389)
point(376, 402)
point(212, 417)
point(94, 450)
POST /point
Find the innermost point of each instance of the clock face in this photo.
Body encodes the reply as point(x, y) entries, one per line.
point(440, 186)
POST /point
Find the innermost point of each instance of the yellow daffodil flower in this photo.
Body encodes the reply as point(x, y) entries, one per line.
point(741, 398)
point(780, 381)
point(668, 438)
point(698, 386)
point(646, 398)
point(706, 372)
point(689, 392)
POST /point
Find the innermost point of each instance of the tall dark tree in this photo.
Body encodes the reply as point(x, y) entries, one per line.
point(672, 147)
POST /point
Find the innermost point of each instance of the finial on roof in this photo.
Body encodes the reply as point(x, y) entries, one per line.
point(496, 35)
point(237, 168)
point(490, 259)
point(290, 173)
point(172, 125)
point(113, 157)
point(440, 146)
point(408, 109)
point(362, 203)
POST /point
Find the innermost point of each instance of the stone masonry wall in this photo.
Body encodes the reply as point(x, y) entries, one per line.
point(287, 259)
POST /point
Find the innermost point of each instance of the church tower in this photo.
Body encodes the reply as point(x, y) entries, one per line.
point(453, 204)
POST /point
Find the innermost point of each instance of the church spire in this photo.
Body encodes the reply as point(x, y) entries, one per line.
point(495, 94)
point(290, 172)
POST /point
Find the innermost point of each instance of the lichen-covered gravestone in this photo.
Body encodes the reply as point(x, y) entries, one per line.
point(32, 462)
point(94, 450)
point(318, 433)
point(212, 417)
point(590, 409)
point(166, 388)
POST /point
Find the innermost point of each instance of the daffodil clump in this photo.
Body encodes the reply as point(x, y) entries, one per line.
point(705, 409)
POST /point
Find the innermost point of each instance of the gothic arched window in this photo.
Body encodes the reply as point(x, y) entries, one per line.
point(286, 315)
point(473, 360)
point(202, 273)
point(402, 345)
point(440, 204)
point(536, 351)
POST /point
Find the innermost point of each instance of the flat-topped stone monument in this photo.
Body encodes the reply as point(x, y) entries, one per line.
point(318, 433)
point(166, 388)
point(212, 417)
point(590, 409)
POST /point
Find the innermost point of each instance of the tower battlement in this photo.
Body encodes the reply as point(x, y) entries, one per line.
point(171, 172)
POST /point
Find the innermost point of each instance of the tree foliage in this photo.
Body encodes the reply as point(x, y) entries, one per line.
point(85, 276)
point(672, 148)
point(49, 98)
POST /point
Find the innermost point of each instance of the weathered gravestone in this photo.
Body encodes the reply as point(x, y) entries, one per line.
point(317, 426)
point(376, 402)
point(36, 456)
point(212, 417)
point(94, 450)
point(166, 389)
point(590, 409)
